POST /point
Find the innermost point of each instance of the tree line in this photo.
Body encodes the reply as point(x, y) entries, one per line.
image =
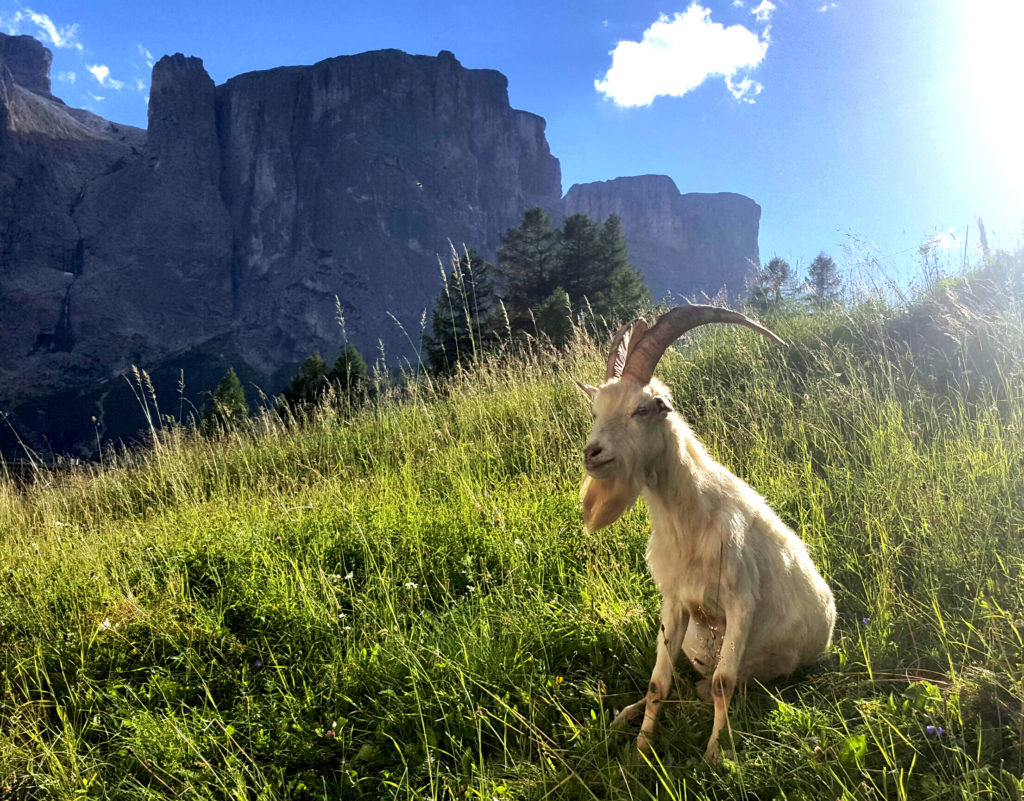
point(776, 280)
point(542, 278)
point(348, 379)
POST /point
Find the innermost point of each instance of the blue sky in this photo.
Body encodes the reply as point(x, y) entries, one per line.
point(860, 126)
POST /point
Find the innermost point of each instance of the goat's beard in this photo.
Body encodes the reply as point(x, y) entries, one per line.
point(606, 499)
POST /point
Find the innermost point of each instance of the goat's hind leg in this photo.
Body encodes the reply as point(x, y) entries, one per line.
point(674, 620)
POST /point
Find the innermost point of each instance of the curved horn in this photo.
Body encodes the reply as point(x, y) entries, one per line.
point(645, 354)
point(622, 343)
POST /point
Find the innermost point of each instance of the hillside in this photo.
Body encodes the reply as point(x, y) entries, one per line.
point(399, 601)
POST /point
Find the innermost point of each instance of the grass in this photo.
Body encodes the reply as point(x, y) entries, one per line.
point(399, 601)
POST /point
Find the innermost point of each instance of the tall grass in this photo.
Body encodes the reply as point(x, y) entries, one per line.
point(398, 600)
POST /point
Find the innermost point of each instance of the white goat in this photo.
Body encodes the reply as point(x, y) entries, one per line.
point(740, 594)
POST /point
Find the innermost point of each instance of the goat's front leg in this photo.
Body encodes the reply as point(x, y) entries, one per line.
point(723, 682)
point(674, 620)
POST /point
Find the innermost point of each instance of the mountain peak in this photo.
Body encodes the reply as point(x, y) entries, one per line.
point(27, 61)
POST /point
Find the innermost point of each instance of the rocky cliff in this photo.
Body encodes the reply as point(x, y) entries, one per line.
point(349, 177)
point(223, 235)
point(684, 244)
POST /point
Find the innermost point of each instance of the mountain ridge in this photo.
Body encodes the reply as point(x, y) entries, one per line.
point(230, 230)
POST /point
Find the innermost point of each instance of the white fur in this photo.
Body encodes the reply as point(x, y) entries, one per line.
point(740, 593)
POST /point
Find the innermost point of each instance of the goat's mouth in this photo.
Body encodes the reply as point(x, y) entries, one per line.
point(595, 466)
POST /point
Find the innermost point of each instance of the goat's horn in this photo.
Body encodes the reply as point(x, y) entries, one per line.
point(622, 343)
point(645, 354)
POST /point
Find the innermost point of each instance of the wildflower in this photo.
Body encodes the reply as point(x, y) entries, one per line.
point(258, 663)
point(277, 538)
point(865, 620)
point(934, 731)
point(329, 734)
point(342, 616)
point(470, 587)
point(348, 576)
point(411, 585)
point(106, 624)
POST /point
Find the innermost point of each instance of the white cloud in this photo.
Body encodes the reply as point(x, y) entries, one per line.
point(678, 54)
point(745, 91)
point(827, 7)
point(97, 98)
point(58, 37)
point(101, 72)
point(738, 3)
point(150, 61)
point(66, 77)
point(764, 11)
point(45, 28)
point(140, 85)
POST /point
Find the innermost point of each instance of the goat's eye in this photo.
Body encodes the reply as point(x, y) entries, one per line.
point(641, 411)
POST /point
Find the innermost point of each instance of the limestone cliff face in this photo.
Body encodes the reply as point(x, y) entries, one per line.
point(683, 244)
point(346, 179)
point(48, 152)
point(27, 61)
point(155, 278)
point(224, 234)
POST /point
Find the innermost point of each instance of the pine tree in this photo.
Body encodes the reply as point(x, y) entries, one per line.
point(350, 375)
point(463, 320)
point(580, 269)
point(528, 260)
point(309, 384)
point(766, 283)
point(228, 406)
point(554, 317)
point(627, 296)
point(823, 276)
point(626, 293)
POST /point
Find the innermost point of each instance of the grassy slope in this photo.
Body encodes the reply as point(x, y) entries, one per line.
point(403, 603)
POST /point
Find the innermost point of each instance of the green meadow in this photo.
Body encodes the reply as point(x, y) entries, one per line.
point(398, 600)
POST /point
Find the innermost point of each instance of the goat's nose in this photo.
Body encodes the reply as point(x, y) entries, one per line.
point(590, 452)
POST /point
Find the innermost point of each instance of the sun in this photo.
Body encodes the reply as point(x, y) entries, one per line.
point(990, 57)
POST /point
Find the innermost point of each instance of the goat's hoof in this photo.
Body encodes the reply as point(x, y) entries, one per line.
point(643, 744)
point(629, 714)
point(712, 755)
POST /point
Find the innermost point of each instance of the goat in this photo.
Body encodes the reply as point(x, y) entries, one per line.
point(740, 594)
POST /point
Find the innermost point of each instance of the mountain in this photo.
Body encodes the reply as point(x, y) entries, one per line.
point(231, 230)
point(683, 244)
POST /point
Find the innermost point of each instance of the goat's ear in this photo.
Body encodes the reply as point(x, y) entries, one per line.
point(663, 404)
point(605, 500)
point(587, 389)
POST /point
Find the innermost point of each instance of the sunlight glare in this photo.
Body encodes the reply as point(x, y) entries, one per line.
point(992, 32)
